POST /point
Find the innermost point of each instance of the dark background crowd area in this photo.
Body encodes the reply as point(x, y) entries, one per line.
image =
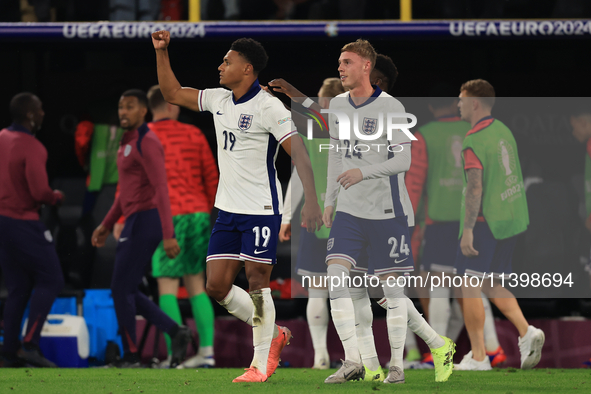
point(84, 80)
point(83, 10)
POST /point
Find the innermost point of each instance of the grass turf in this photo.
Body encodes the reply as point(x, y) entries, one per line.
point(285, 381)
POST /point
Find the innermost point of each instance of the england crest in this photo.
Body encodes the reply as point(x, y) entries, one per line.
point(369, 126)
point(330, 244)
point(244, 122)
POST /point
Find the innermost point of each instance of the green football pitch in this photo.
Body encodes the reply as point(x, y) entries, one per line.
point(285, 381)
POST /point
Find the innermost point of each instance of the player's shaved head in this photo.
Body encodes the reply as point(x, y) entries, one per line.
point(362, 48)
point(155, 98)
point(23, 104)
point(386, 66)
point(139, 94)
point(253, 52)
point(481, 89)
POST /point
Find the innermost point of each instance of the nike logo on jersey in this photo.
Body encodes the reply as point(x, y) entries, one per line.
point(123, 239)
point(219, 113)
point(260, 251)
point(398, 262)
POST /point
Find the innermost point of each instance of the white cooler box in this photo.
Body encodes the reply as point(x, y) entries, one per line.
point(64, 340)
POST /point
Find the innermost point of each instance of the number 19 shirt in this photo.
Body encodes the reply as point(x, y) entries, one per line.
point(248, 132)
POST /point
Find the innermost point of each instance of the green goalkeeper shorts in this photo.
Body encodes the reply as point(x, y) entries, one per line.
point(192, 232)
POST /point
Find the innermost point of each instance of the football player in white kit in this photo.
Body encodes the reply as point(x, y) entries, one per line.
point(250, 124)
point(370, 233)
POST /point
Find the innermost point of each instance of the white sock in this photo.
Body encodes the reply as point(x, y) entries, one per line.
point(491, 341)
point(205, 351)
point(317, 315)
point(411, 340)
point(239, 304)
point(342, 310)
point(456, 321)
point(363, 322)
point(396, 320)
point(439, 309)
point(418, 325)
point(263, 320)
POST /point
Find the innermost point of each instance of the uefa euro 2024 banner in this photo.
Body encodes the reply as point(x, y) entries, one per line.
point(203, 30)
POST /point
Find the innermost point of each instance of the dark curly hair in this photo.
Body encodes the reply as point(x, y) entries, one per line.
point(252, 51)
point(387, 67)
point(139, 94)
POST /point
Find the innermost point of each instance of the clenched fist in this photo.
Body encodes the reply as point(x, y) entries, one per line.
point(161, 39)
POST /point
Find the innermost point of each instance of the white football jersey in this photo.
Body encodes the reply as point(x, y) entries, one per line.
point(380, 198)
point(248, 134)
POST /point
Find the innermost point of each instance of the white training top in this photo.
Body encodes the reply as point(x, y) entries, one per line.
point(248, 132)
point(382, 193)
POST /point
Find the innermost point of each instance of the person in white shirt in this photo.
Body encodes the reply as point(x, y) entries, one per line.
point(370, 232)
point(250, 124)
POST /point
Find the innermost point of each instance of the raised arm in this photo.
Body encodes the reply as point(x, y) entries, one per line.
point(300, 120)
point(171, 89)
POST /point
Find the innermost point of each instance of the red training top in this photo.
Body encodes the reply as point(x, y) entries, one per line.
point(142, 179)
point(23, 178)
point(190, 167)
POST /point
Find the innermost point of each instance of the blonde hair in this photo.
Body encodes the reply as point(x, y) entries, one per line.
point(363, 48)
point(331, 87)
point(481, 89)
